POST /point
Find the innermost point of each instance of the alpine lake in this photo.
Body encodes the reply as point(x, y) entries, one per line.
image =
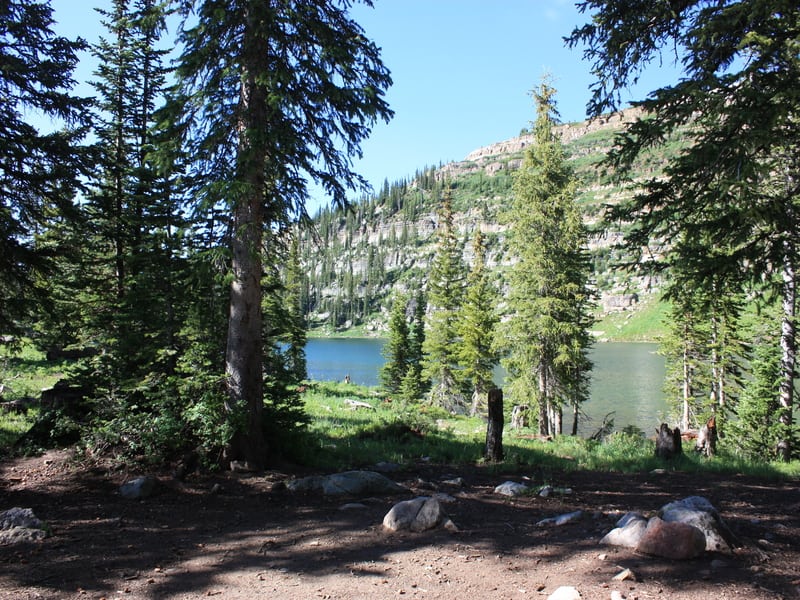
point(626, 383)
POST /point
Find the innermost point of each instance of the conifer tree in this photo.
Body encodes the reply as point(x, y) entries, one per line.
point(132, 261)
point(39, 170)
point(272, 94)
point(546, 338)
point(413, 386)
point(396, 349)
point(755, 433)
point(295, 317)
point(476, 325)
point(735, 185)
point(445, 295)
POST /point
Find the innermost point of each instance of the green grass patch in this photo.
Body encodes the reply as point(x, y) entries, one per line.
point(24, 373)
point(13, 425)
point(646, 323)
point(344, 434)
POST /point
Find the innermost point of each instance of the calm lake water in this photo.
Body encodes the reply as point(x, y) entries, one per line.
point(627, 378)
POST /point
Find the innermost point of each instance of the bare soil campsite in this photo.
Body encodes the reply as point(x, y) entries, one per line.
point(243, 535)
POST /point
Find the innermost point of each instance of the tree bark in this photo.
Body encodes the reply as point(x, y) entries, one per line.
point(788, 356)
point(544, 418)
point(494, 429)
point(244, 351)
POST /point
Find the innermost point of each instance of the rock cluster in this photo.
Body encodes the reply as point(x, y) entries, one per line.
point(681, 530)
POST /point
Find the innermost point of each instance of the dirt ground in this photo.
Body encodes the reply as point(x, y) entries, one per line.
point(243, 536)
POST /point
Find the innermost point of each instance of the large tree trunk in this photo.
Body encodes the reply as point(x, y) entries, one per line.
point(244, 346)
point(244, 353)
point(788, 356)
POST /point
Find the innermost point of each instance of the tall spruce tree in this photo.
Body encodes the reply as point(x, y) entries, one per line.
point(735, 187)
point(546, 338)
point(295, 335)
point(445, 295)
point(396, 349)
point(131, 261)
point(39, 170)
point(413, 386)
point(476, 324)
point(272, 93)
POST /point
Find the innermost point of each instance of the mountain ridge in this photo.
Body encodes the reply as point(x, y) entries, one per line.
point(386, 241)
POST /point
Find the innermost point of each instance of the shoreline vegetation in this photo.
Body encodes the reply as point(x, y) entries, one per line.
point(645, 323)
point(351, 426)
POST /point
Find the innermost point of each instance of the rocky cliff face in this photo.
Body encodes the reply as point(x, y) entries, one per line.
point(387, 242)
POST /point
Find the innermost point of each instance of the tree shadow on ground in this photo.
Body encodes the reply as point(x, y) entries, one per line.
point(215, 531)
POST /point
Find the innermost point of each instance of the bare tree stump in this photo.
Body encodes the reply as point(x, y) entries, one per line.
point(668, 442)
point(494, 429)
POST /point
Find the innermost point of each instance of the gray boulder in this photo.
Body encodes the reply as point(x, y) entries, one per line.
point(511, 488)
point(349, 483)
point(139, 488)
point(20, 525)
point(628, 532)
point(698, 512)
point(419, 514)
point(673, 540)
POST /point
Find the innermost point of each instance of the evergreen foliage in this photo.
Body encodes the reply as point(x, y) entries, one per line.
point(270, 94)
point(546, 339)
point(476, 324)
point(755, 431)
point(732, 190)
point(39, 170)
point(397, 347)
point(445, 295)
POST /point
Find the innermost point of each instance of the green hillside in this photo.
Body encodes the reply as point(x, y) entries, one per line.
point(356, 258)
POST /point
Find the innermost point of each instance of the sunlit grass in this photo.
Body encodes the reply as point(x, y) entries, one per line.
point(345, 436)
point(13, 425)
point(645, 324)
point(25, 372)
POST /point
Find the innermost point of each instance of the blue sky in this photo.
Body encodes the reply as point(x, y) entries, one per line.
point(462, 71)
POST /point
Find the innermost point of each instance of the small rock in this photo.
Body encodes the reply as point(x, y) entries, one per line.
point(615, 595)
point(565, 593)
point(625, 575)
point(352, 506)
point(562, 519)
point(139, 488)
point(242, 466)
point(511, 488)
point(450, 526)
point(457, 482)
point(546, 491)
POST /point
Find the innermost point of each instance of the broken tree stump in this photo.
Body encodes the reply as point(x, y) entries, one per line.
point(668, 442)
point(494, 428)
